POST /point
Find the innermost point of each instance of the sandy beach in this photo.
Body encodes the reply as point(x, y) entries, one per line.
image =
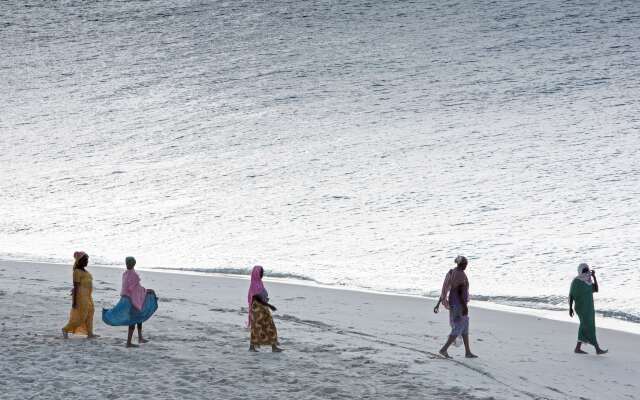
point(339, 344)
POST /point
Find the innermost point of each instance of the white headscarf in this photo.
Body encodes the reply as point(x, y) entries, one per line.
point(584, 276)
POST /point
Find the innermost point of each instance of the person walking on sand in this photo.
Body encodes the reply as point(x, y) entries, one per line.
point(263, 329)
point(81, 315)
point(583, 287)
point(136, 304)
point(455, 296)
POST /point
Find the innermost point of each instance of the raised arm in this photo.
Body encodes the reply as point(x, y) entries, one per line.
point(571, 306)
point(595, 282)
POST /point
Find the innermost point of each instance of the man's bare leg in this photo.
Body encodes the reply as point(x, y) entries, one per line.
point(443, 350)
point(467, 349)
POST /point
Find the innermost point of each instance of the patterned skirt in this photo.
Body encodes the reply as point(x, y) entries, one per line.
point(263, 330)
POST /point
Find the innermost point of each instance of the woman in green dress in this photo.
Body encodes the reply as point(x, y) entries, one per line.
point(582, 289)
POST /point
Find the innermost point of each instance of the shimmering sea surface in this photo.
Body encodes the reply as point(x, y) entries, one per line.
point(355, 143)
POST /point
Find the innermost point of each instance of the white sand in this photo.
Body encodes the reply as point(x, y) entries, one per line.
point(339, 344)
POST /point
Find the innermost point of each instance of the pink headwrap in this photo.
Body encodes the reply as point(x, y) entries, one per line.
point(132, 289)
point(256, 287)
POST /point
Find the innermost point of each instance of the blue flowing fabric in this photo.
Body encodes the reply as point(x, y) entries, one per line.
point(124, 313)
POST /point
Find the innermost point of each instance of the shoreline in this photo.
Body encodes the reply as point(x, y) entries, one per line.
point(339, 344)
point(554, 315)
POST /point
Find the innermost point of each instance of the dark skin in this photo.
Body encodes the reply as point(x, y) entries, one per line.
point(259, 299)
point(130, 335)
point(594, 288)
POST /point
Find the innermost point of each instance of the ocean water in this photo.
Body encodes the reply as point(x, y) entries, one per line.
point(355, 143)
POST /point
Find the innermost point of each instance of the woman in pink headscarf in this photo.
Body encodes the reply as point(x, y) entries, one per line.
point(136, 304)
point(263, 329)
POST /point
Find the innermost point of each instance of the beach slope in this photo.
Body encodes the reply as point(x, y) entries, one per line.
point(338, 344)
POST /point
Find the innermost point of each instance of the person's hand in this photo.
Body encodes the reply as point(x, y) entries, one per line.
point(571, 312)
point(593, 272)
point(436, 308)
point(74, 305)
point(273, 308)
point(465, 310)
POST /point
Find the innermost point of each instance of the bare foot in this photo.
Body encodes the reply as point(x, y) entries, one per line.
point(444, 353)
point(602, 351)
point(132, 345)
point(65, 335)
point(141, 340)
point(577, 351)
point(470, 355)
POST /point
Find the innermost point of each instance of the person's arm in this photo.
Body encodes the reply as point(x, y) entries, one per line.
point(571, 306)
point(261, 301)
point(595, 282)
point(76, 286)
point(465, 309)
point(437, 307)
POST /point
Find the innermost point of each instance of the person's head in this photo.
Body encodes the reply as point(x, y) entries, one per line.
point(256, 275)
point(583, 268)
point(257, 272)
point(461, 262)
point(130, 262)
point(81, 259)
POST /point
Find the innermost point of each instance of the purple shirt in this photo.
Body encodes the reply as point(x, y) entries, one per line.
point(458, 278)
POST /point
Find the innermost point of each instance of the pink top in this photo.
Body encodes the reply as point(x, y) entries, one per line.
point(132, 289)
point(255, 288)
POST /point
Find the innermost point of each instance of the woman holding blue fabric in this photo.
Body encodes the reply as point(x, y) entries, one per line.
point(136, 304)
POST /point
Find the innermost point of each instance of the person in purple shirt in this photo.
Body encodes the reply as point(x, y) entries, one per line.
point(456, 288)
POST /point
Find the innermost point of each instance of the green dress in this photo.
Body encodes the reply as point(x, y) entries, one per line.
point(582, 294)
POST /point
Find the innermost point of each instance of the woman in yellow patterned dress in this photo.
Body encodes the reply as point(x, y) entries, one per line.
point(81, 316)
point(263, 330)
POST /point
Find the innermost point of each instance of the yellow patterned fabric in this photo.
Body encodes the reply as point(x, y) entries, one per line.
point(263, 330)
point(81, 317)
